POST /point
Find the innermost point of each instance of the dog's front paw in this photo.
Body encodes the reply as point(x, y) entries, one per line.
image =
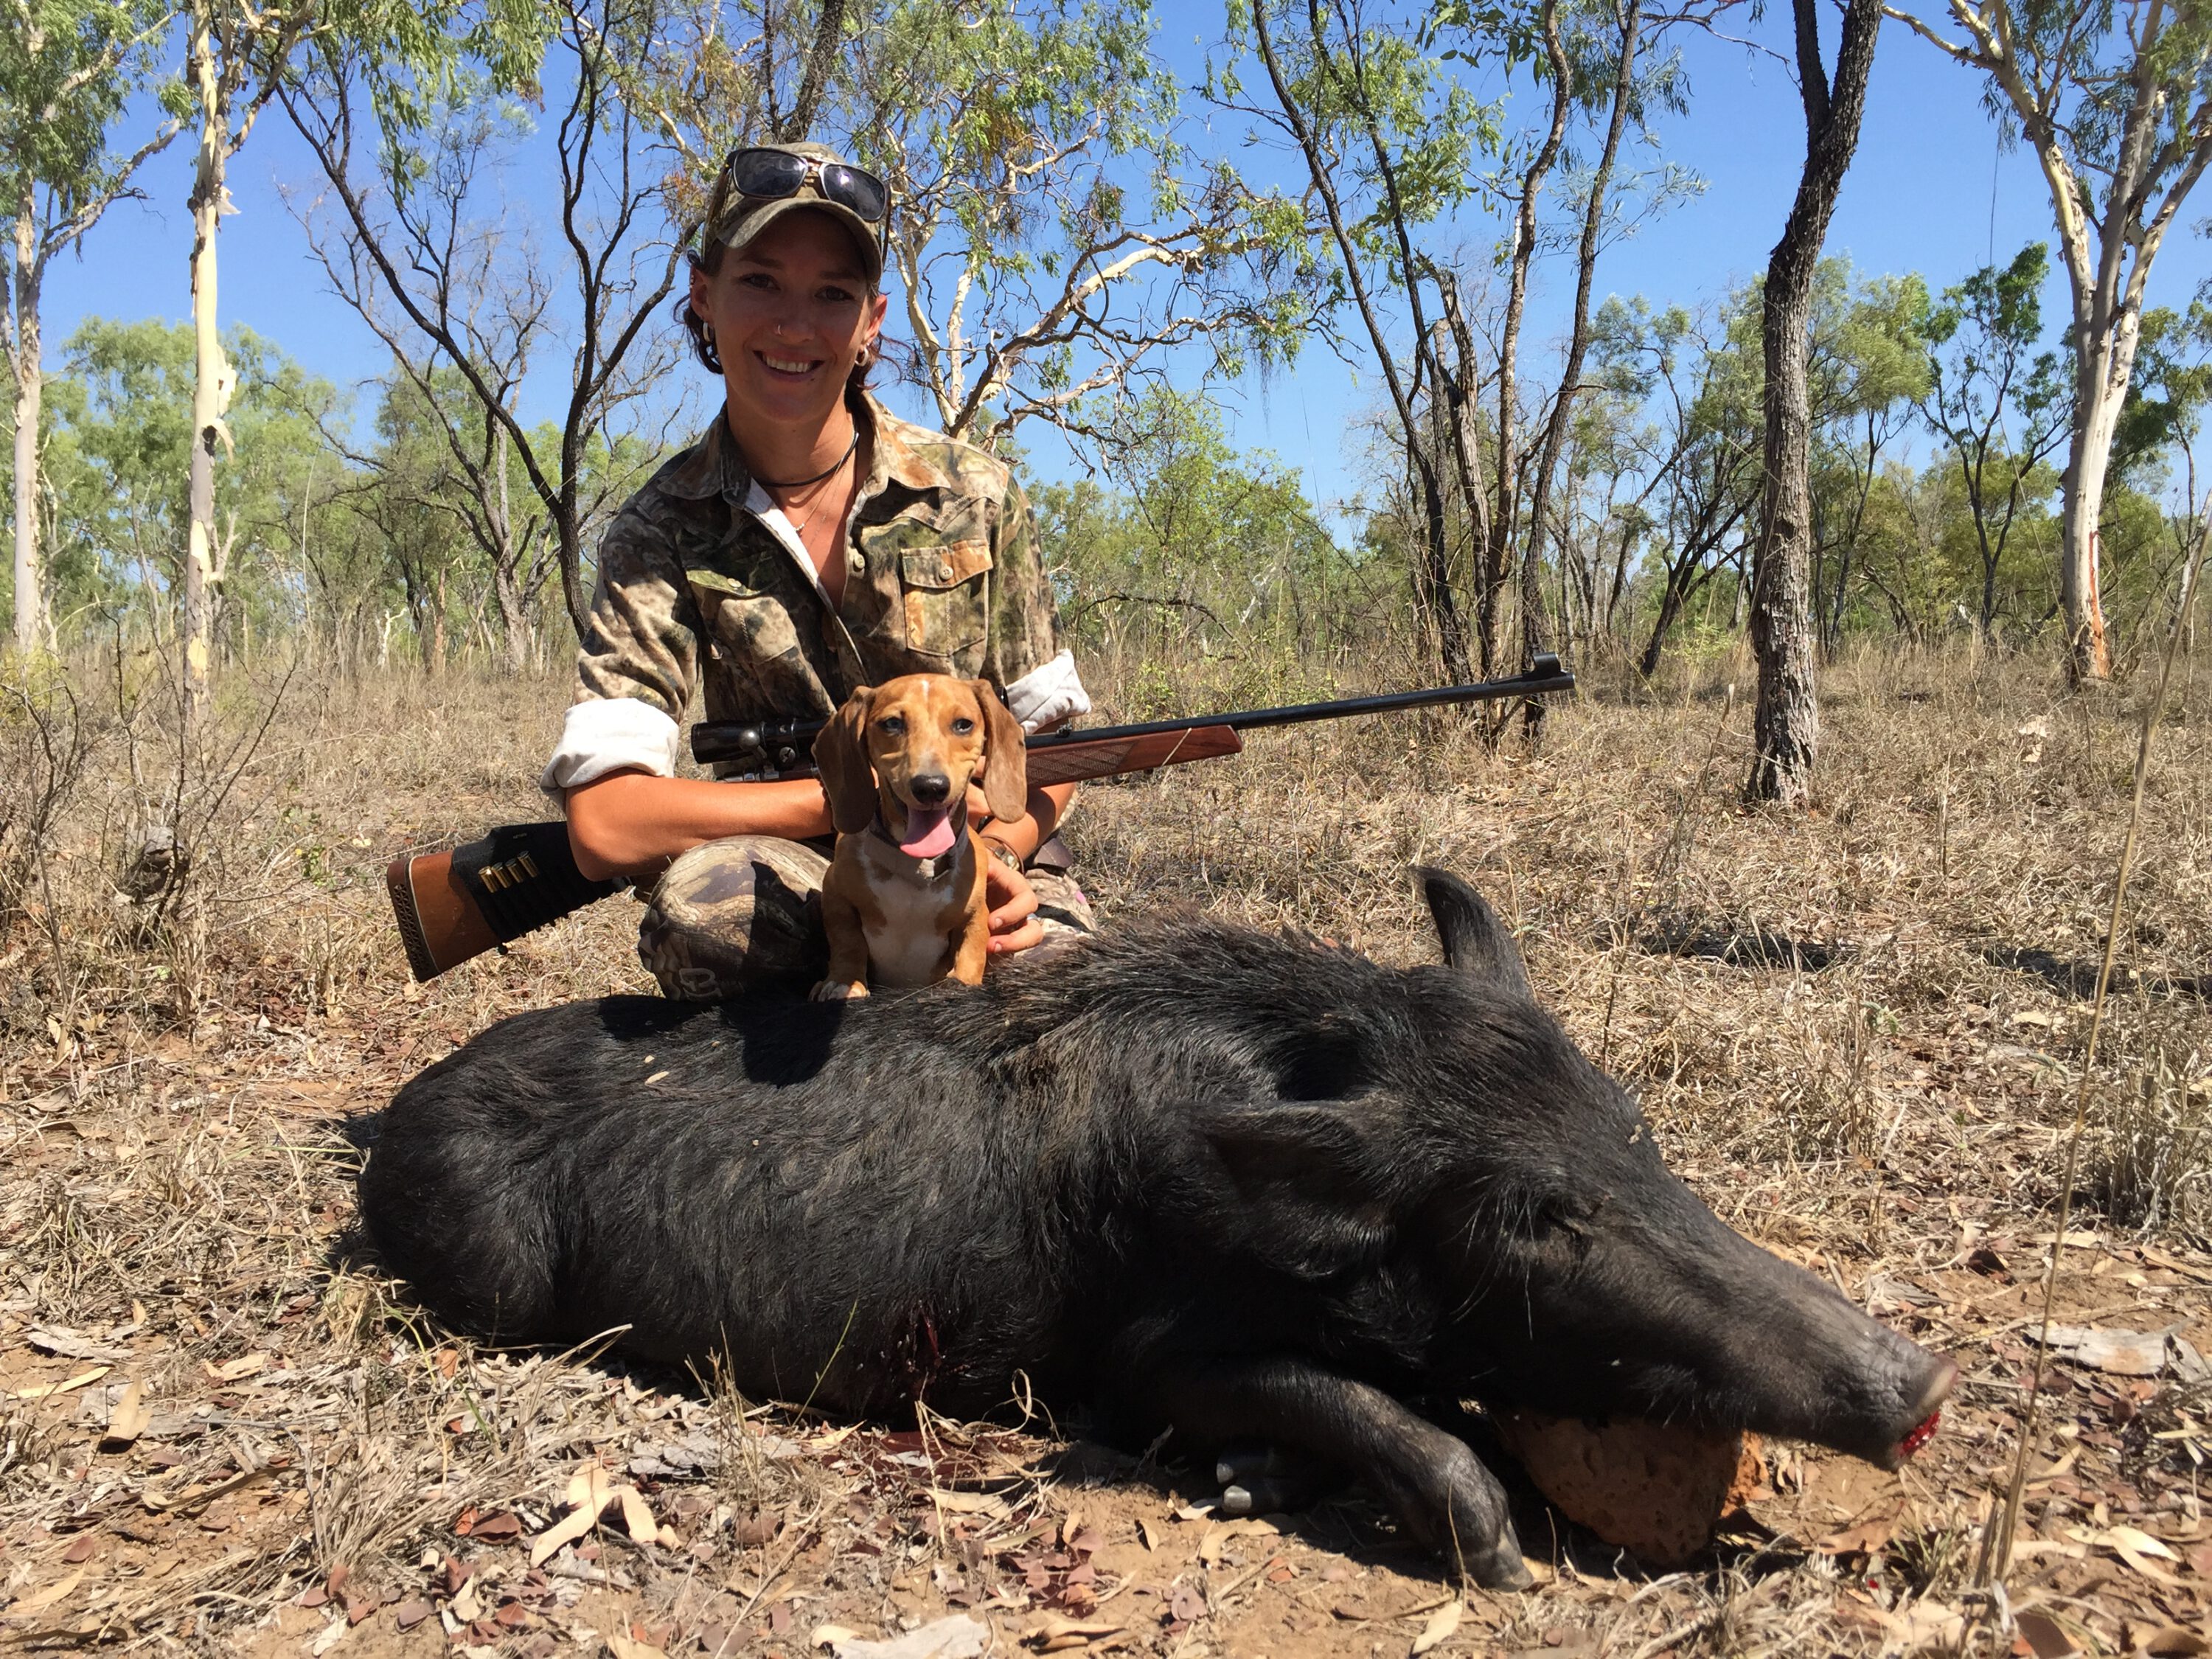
point(838, 990)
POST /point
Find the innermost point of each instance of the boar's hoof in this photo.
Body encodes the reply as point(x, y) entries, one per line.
point(1455, 1506)
point(1263, 1479)
point(1501, 1568)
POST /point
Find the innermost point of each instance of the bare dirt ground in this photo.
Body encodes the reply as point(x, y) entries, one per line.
point(223, 1430)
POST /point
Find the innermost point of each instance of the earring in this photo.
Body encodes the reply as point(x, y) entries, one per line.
point(707, 333)
point(864, 358)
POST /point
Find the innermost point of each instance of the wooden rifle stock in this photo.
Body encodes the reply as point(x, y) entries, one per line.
point(456, 905)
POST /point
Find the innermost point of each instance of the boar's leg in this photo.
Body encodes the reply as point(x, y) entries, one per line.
point(1433, 1482)
point(1259, 1480)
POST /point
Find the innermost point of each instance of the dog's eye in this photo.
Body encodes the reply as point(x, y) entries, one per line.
point(892, 725)
point(962, 725)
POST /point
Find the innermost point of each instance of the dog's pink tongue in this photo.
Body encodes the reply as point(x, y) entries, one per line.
point(928, 832)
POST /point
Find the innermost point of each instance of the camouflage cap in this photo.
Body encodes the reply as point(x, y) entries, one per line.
point(735, 219)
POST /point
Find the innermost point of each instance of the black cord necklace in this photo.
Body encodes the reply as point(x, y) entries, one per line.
point(801, 484)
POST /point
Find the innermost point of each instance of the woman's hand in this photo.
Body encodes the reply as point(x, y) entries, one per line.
point(1013, 902)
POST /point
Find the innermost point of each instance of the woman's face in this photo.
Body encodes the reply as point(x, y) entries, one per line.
point(790, 311)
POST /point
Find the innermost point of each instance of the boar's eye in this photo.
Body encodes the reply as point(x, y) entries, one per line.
point(1574, 1215)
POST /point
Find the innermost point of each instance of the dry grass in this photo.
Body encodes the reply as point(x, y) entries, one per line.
point(1855, 1030)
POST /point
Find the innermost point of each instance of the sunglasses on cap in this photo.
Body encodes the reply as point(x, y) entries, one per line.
point(773, 174)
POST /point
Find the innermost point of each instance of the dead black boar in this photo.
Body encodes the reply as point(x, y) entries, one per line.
point(1204, 1178)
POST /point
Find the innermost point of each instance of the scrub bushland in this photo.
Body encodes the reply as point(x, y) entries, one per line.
point(224, 1429)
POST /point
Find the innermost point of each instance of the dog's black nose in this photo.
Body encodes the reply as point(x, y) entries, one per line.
point(930, 789)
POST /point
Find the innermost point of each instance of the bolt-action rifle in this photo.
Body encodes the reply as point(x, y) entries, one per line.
point(455, 905)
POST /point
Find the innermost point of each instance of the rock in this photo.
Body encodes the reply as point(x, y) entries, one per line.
point(1654, 1489)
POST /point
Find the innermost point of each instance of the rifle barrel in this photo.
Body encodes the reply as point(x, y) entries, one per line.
point(1546, 676)
point(717, 740)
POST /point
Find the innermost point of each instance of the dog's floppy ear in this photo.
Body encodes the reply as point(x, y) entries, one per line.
point(1005, 758)
point(842, 754)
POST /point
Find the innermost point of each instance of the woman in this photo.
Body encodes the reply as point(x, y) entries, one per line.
point(809, 542)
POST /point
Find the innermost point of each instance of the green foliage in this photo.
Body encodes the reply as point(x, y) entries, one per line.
point(115, 466)
point(1196, 548)
point(2167, 397)
point(68, 68)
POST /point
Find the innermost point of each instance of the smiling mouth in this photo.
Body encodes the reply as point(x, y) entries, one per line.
point(789, 365)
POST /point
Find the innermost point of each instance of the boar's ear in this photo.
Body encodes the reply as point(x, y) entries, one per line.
point(1475, 942)
point(1318, 1147)
point(1308, 1180)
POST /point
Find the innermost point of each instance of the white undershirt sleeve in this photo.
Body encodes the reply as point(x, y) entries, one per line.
point(1047, 693)
point(610, 734)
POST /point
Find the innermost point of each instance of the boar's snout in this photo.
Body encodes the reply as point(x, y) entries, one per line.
point(1870, 1392)
point(1676, 1316)
point(1806, 1363)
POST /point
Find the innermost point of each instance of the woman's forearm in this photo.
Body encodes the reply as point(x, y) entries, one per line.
point(629, 824)
point(1048, 805)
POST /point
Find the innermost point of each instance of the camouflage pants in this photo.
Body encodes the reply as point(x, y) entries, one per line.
point(737, 915)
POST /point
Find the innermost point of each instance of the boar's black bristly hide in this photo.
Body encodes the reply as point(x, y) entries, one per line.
point(1200, 1176)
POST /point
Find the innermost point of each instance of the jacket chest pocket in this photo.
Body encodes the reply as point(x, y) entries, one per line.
point(747, 630)
point(945, 592)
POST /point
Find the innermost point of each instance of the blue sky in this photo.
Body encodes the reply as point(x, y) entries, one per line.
point(1929, 191)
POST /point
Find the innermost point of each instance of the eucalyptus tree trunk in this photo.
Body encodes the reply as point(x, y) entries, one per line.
point(1450, 633)
point(2103, 365)
point(211, 376)
point(1498, 555)
point(30, 388)
point(1786, 723)
point(1534, 631)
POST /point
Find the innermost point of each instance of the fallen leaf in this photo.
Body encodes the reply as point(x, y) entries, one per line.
point(80, 1549)
point(627, 1647)
point(39, 1600)
point(46, 1391)
point(970, 1503)
point(1187, 1605)
point(2172, 1641)
point(67, 1345)
point(2129, 1353)
point(1210, 1546)
point(2045, 1636)
point(236, 1370)
point(589, 1484)
point(589, 1492)
point(1442, 1623)
point(198, 1498)
point(129, 1418)
point(637, 1516)
point(828, 1636)
point(1148, 1530)
point(2063, 1466)
point(412, 1614)
point(756, 1528)
point(495, 1529)
point(1054, 1634)
point(2141, 1543)
point(2136, 1548)
point(1353, 1616)
point(958, 1637)
point(1861, 1538)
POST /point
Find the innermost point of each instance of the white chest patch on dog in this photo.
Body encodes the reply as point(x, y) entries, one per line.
point(908, 947)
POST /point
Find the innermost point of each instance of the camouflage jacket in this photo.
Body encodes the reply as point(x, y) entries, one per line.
point(703, 583)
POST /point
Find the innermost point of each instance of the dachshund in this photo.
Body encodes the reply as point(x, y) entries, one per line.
point(903, 901)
